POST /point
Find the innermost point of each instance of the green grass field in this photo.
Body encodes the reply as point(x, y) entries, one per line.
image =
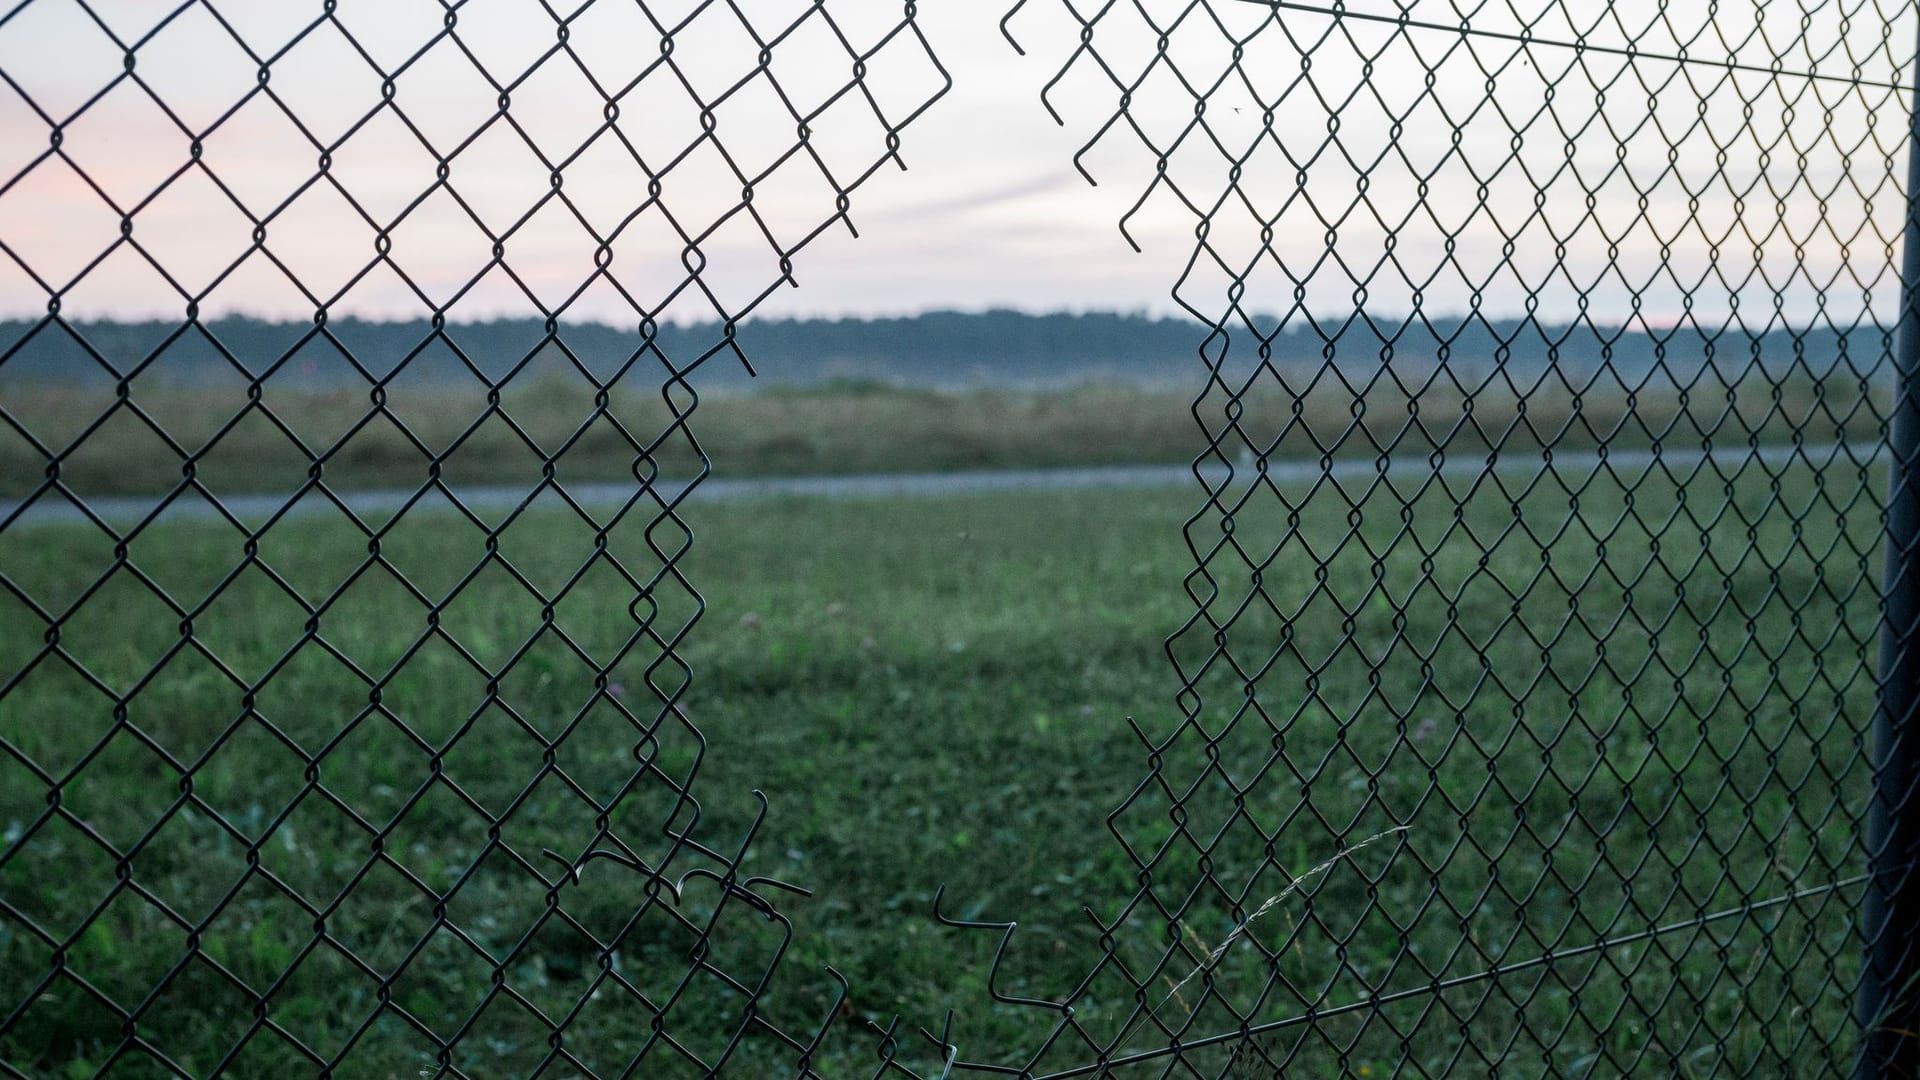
point(1596, 707)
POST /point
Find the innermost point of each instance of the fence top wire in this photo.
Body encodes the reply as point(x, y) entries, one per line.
point(1725, 53)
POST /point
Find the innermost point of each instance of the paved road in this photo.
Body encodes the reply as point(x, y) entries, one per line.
point(494, 502)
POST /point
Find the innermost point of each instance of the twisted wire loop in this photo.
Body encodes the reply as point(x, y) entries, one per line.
point(514, 791)
point(1528, 736)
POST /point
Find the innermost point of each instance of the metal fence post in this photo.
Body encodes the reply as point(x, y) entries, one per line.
point(1890, 984)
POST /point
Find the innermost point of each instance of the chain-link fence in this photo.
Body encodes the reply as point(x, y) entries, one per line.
point(249, 833)
point(1534, 714)
point(1567, 665)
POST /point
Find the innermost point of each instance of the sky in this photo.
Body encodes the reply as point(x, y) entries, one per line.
point(1515, 177)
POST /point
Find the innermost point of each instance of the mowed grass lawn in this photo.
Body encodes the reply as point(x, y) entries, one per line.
point(1597, 707)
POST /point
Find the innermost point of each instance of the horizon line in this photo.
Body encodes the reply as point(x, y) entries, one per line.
point(1639, 322)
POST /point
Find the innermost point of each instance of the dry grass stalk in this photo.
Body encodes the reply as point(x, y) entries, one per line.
point(1293, 886)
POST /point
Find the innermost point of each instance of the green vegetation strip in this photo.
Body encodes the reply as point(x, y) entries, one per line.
point(98, 445)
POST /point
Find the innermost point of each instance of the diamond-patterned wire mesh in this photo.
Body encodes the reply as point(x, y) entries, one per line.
point(1522, 722)
point(1523, 718)
point(479, 852)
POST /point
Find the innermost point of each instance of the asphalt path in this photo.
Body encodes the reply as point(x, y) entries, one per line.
point(494, 503)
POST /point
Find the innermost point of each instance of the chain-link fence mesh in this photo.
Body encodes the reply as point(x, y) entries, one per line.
point(1523, 717)
point(1522, 724)
point(247, 833)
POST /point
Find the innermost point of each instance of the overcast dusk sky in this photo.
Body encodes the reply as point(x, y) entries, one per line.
point(1782, 188)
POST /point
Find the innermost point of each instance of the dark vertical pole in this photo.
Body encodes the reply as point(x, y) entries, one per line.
point(1890, 986)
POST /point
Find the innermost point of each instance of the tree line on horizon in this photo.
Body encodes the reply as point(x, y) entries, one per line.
point(939, 349)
